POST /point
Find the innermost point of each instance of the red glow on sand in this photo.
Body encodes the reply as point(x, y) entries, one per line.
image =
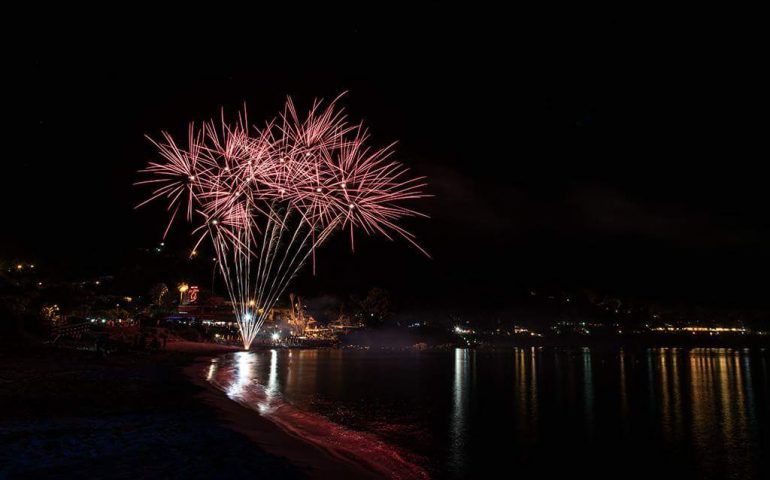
point(361, 448)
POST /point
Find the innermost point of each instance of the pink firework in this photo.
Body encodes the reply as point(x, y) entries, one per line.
point(268, 197)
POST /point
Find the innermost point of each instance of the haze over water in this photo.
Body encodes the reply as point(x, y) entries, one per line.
point(661, 412)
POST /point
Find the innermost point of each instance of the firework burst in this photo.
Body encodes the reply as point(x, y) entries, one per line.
point(268, 197)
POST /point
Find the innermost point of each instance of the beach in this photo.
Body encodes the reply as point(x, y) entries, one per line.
point(69, 414)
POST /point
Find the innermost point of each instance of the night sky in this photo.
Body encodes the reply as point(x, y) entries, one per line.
point(622, 161)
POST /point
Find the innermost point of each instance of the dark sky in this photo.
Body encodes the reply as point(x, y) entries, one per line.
point(621, 160)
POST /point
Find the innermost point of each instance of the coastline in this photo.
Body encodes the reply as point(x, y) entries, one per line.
point(270, 436)
point(69, 414)
point(363, 454)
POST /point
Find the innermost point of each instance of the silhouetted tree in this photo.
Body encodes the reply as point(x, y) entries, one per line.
point(159, 294)
point(375, 308)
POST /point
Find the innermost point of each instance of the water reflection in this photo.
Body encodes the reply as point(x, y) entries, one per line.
point(710, 406)
point(301, 372)
point(212, 369)
point(749, 387)
point(244, 372)
point(533, 403)
point(526, 393)
point(272, 390)
point(521, 383)
point(676, 391)
point(588, 390)
point(623, 394)
point(722, 399)
point(459, 410)
point(664, 393)
point(272, 379)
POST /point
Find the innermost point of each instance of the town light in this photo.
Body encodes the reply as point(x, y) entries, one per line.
point(183, 287)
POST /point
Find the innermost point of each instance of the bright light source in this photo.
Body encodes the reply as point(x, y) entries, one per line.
point(245, 197)
point(276, 336)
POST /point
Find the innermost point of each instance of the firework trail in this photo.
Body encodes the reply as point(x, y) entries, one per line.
point(267, 197)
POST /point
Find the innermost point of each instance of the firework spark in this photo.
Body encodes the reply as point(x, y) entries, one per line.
point(268, 197)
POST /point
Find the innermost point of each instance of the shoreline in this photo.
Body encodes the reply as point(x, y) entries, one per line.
point(310, 458)
point(367, 454)
point(71, 414)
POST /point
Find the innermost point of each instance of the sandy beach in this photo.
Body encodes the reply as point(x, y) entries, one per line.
point(69, 414)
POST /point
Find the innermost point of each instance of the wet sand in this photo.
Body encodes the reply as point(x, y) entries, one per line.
point(69, 414)
point(367, 454)
point(268, 435)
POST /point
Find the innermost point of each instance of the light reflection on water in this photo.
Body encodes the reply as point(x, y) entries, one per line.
point(212, 369)
point(244, 374)
point(692, 412)
point(272, 379)
point(459, 408)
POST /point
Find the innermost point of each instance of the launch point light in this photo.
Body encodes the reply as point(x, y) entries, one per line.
point(285, 159)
